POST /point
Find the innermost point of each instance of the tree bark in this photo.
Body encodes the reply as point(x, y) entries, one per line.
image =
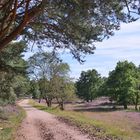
point(48, 102)
point(28, 16)
point(62, 105)
point(125, 106)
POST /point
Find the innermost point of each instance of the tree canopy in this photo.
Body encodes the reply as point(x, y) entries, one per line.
point(122, 84)
point(70, 24)
point(13, 78)
point(52, 78)
point(88, 85)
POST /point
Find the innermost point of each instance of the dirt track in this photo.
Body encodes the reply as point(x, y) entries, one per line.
point(39, 125)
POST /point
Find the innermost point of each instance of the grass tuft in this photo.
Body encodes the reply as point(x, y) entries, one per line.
point(9, 125)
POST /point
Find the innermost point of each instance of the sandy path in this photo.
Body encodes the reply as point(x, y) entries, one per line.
point(39, 125)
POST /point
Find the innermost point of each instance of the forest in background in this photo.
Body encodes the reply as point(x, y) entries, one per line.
point(45, 76)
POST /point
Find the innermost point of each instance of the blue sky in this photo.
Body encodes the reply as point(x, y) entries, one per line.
point(124, 45)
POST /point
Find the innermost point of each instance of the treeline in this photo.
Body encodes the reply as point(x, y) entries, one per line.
point(122, 85)
point(45, 76)
point(42, 76)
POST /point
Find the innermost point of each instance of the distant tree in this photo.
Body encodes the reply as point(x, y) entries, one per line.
point(120, 83)
point(66, 91)
point(136, 88)
point(34, 89)
point(88, 85)
point(71, 24)
point(52, 77)
point(103, 88)
point(41, 69)
point(45, 93)
point(41, 65)
point(61, 85)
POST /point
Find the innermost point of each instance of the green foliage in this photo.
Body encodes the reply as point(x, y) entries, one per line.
point(51, 76)
point(7, 94)
point(21, 85)
point(12, 72)
point(122, 82)
point(76, 24)
point(103, 88)
point(34, 89)
point(12, 123)
point(68, 91)
point(65, 90)
point(136, 89)
point(88, 85)
point(71, 24)
point(122, 85)
point(12, 97)
point(11, 58)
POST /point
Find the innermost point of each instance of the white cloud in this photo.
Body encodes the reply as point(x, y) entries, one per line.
point(131, 27)
point(124, 45)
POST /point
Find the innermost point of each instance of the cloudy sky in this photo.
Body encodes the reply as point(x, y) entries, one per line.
point(124, 45)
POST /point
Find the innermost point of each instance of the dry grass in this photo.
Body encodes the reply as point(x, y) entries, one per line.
point(127, 122)
point(121, 123)
point(10, 118)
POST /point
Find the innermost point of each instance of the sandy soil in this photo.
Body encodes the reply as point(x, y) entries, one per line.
point(39, 125)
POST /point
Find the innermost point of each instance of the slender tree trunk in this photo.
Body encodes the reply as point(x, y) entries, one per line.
point(136, 107)
point(62, 105)
point(48, 102)
point(87, 100)
point(39, 100)
point(136, 102)
point(125, 106)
